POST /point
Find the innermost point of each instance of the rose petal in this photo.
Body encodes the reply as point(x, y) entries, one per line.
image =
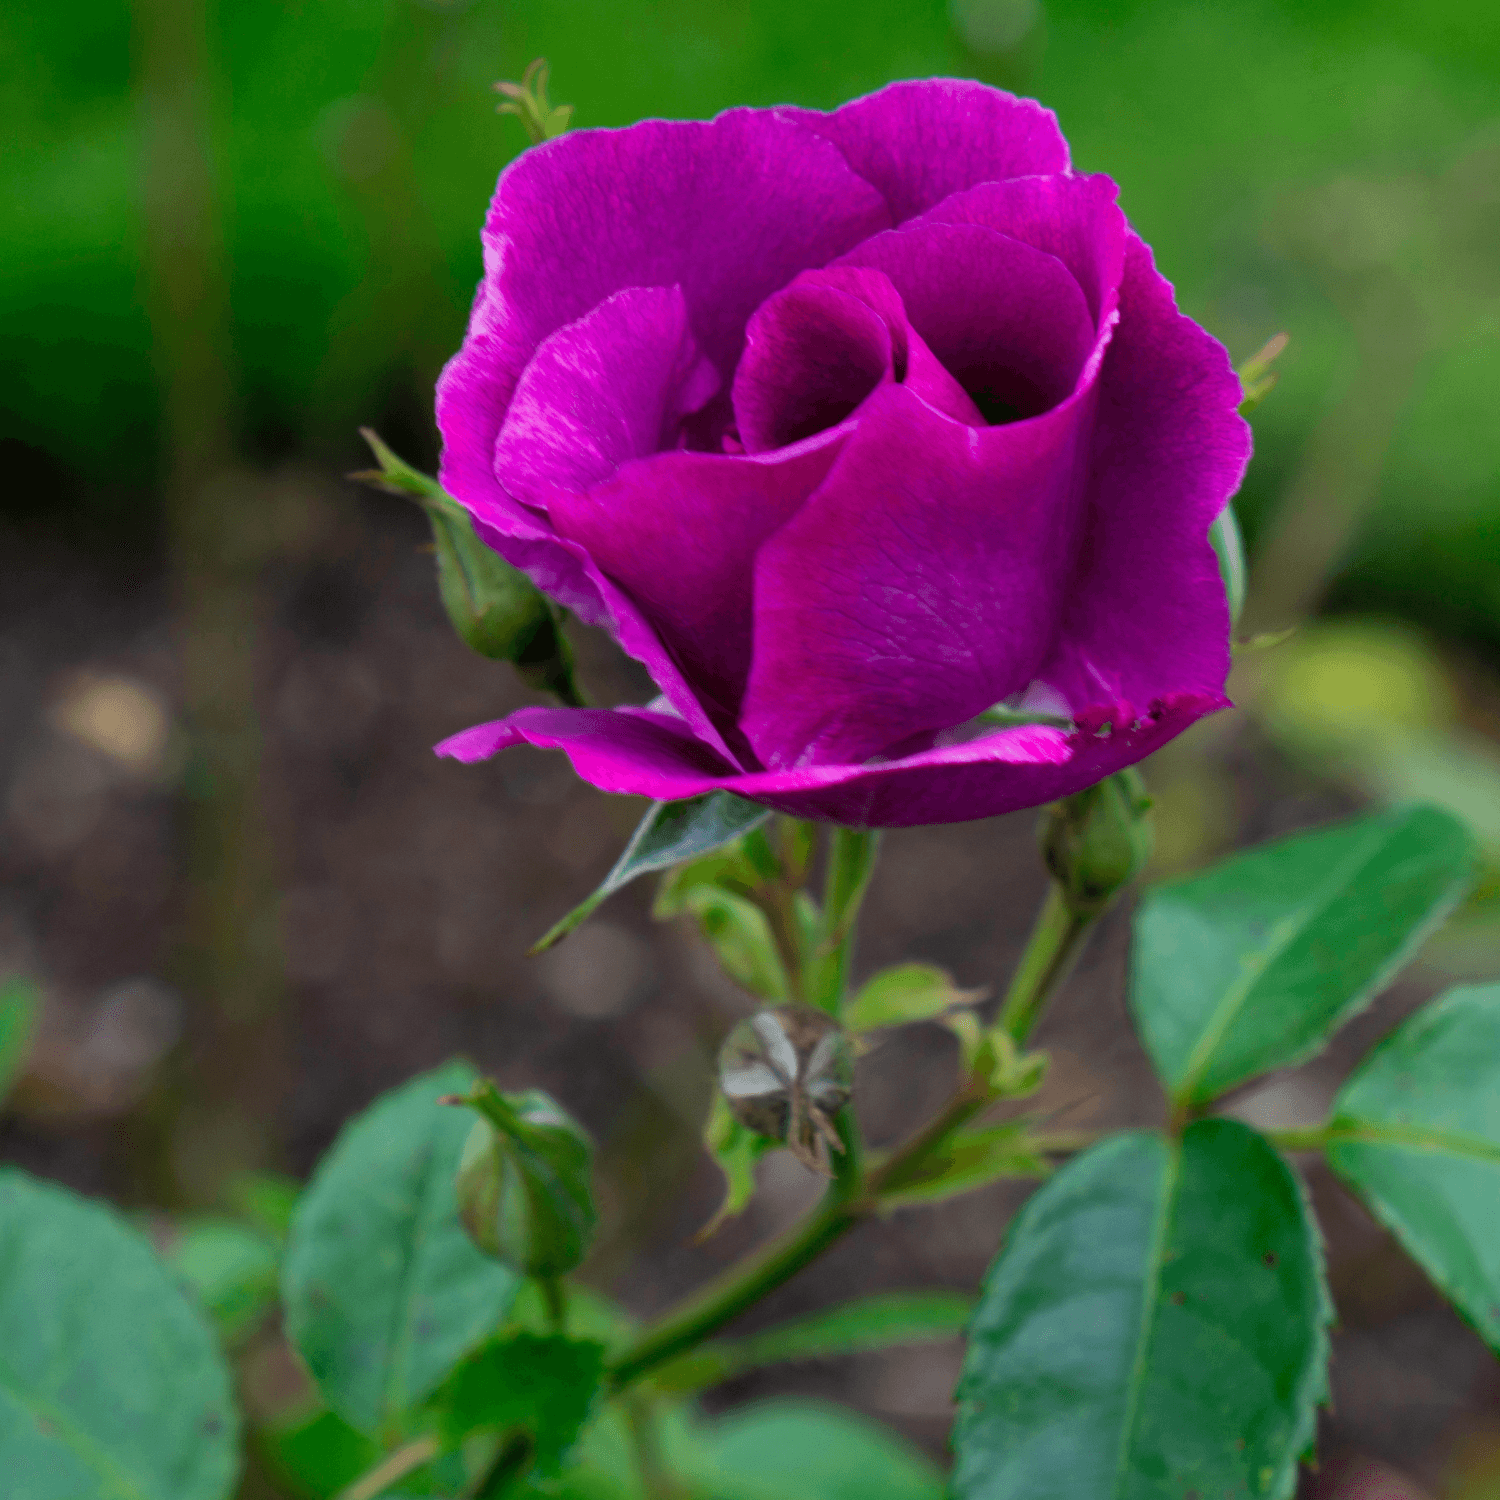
point(923, 581)
point(816, 350)
point(729, 210)
point(680, 532)
point(1074, 218)
point(635, 752)
point(1008, 321)
point(1146, 613)
point(920, 140)
point(613, 386)
point(813, 352)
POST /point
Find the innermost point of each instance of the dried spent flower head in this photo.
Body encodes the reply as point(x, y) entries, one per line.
point(786, 1072)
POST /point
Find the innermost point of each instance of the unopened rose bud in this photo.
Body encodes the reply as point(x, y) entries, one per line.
point(523, 1182)
point(786, 1072)
point(1095, 841)
point(495, 608)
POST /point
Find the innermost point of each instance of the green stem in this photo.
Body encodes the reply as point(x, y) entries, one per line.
point(851, 862)
point(1299, 1138)
point(1055, 943)
point(741, 1286)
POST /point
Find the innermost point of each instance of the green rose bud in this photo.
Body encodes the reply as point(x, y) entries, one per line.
point(1095, 841)
point(495, 608)
point(523, 1182)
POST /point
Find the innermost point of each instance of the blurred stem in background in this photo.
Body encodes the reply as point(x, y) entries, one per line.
point(211, 1117)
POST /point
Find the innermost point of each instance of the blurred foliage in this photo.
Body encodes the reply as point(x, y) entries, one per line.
point(1328, 168)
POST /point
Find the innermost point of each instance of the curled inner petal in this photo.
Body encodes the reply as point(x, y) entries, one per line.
point(812, 353)
point(815, 351)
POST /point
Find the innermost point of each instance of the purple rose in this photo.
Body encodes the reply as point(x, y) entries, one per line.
point(850, 427)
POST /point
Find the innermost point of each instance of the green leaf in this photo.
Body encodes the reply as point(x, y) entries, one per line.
point(112, 1386)
point(230, 1270)
point(318, 1455)
point(1155, 1326)
point(18, 1015)
point(805, 1450)
point(740, 935)
point(669, 833)
point(545, 1385)
point(1416, 1132)
point(849, 1328)
point(735, 1148)
point(1254, 964)
point(969, 1159)
point(266, 1199)
point(384, 1291)
point(905, 993)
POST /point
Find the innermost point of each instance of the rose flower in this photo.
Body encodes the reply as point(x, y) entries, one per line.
point(850, 427)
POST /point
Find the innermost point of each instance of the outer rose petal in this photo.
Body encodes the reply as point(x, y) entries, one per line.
point(1145, 612)
point(920, 140)
point(920, 583)
point(636, 752)
point(613, 386)
point(1074, 218)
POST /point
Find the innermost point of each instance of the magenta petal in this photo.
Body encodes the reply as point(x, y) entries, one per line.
point(729, 210)
point(679, 532)
point(613, 386)
point(919, 141)
point(635, 752)
point(812, 353)
point(1074, 218)
point(922, 582)
point(1146, 614)
point(1008, 321)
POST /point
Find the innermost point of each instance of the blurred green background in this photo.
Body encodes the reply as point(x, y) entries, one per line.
point(1332, 169)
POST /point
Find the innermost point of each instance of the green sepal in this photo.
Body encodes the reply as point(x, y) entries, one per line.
point(19, 1007)
point(735, 1149)
point(1229, 546)
point(1015, 1074)
point(740, 935)
point(525, 1190)
point(1257, 378)
point(905, 993)
point(878, 1322)
point(670, 833)
point(1416, 1133)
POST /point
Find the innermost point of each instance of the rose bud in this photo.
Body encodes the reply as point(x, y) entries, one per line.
point(851, 427)
point(1097, 840)
point(523, 1182)
point(496, 610)
point(786, 1073)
